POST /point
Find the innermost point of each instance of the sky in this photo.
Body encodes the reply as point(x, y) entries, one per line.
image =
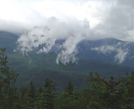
point(44, 21)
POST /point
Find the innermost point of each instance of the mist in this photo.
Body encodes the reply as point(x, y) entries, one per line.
point(39, 22)
point(121, 49)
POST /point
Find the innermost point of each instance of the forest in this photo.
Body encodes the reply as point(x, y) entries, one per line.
point(103, 93)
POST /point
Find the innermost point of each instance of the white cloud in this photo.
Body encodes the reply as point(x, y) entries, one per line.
point(64, 19)
point(120, 57)
point(120, 48)
point(104, 49)
point(72, 32)
point(119, 21)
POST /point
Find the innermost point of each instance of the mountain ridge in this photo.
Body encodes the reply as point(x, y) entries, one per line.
point(43, 65)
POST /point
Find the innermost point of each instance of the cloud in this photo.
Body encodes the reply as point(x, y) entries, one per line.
point(119, 20)
point(39, 22)
point(72, 32)
point(126, 2)
point(121, 49)
point(121, 55)
point(104, 49)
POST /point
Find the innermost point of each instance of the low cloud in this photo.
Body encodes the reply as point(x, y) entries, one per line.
point(121, 49)
point(39, 22)
point(104, 49)
point(120, 57)
point(72, 32)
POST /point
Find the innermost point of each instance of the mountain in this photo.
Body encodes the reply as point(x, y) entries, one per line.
point(8, 41)
point(108, 50)
point(38, 67)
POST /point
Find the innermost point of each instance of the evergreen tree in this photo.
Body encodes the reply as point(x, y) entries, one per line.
point(31, 94)
point(8, 92)
point(49, 88)
point(69, 88)
point(47, 96)
point(23, 96)
point(39, 91)
point(103, 94)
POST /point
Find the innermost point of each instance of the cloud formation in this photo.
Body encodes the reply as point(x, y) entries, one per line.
point(119, 21)
point(121, 49)
point(39, 22)
point(72, 32)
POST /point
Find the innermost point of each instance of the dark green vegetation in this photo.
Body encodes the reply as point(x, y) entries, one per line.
point(33, 79)
point(37, 68)
point(102, 95)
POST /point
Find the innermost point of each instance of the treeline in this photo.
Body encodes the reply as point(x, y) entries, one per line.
point(102, 95)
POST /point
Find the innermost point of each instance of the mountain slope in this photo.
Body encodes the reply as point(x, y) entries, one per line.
point(8, 41)
point(108, 50)
point(38, 67)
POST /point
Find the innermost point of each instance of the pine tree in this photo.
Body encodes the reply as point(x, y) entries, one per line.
point(49, 88)
point(31, 94)
point(23, 96)
point(46, 98)
point(7, 90)
point(69, 88)
point(39, 91)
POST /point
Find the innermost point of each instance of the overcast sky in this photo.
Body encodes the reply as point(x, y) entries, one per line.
point(72, 20)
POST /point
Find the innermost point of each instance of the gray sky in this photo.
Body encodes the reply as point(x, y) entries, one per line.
point(72, 20)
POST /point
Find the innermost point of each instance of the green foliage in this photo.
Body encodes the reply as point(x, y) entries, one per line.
point(45, 97)
point(38, 67)
point(31, 94)
point(109, 96)
point(102, 95)
point(7, 89)
point(69, 88)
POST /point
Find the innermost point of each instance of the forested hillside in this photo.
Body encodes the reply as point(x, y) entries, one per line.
point(103, 94)
point(38, 67)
